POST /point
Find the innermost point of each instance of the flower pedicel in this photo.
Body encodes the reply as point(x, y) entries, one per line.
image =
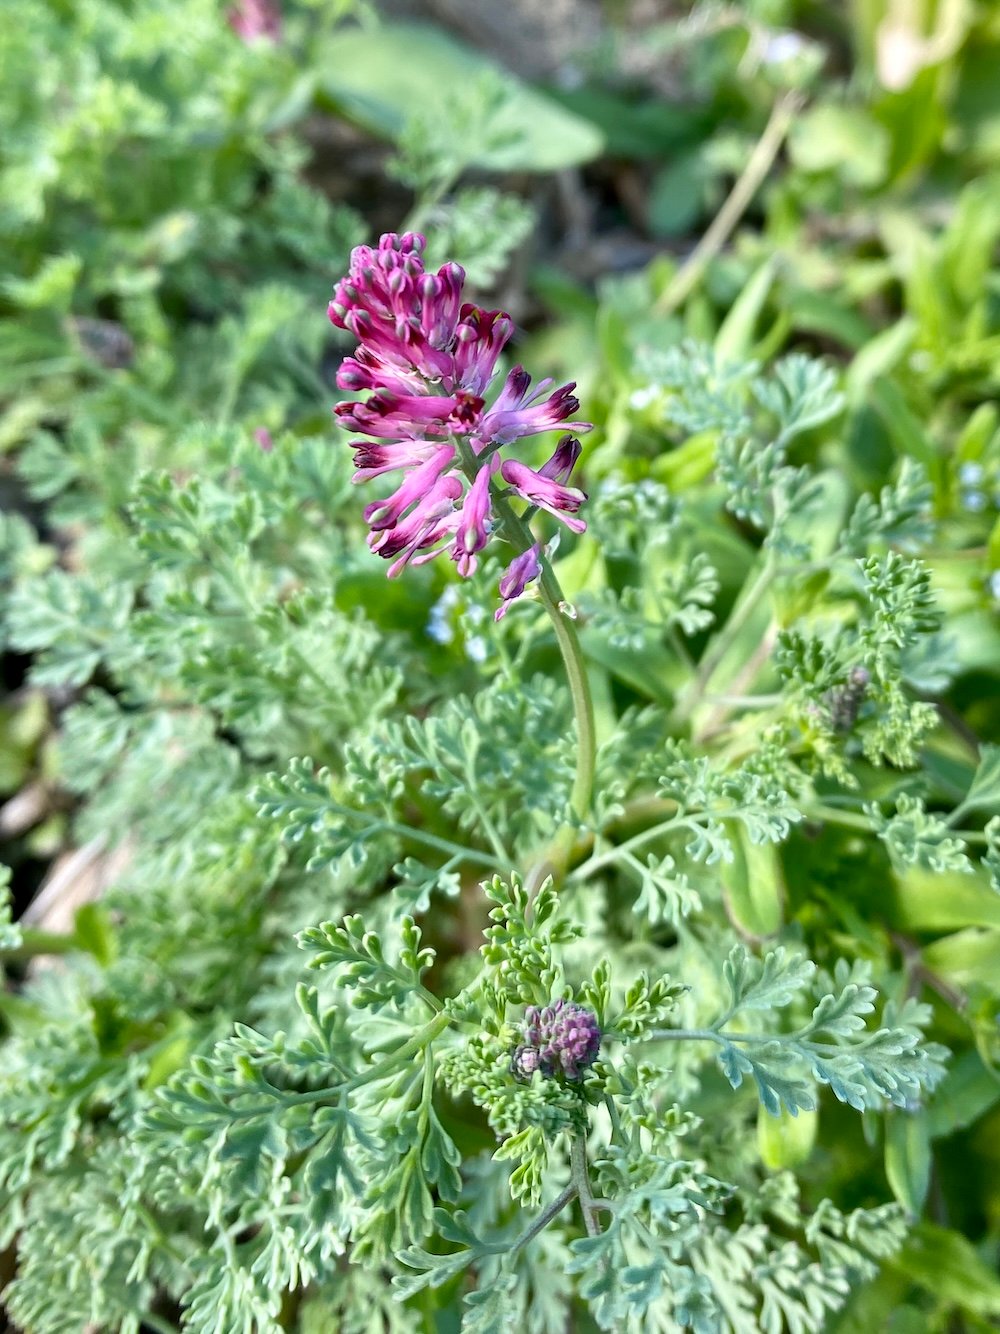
point(428, 361)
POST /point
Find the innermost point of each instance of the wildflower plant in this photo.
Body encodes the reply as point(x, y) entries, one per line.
point(514, 1131)
point(623, 859)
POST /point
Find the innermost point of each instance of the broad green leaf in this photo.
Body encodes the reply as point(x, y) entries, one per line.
point(753, 885)
point(378, 75)
point(735, 338)
point(967, 957)
point(984, 794)
point(940, 902)
point(947, 1265)
point(968, 1091)
point(785, 1141)
point(908, 1159)
point(840, 139)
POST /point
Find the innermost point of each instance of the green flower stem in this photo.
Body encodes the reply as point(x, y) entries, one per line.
point(758, 164)
point(35, 943)
point(581, 1181)
point(520, 537)
point(516, 531)
point(545, 1218)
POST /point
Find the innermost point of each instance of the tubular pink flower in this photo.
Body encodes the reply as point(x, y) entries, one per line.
point(255, 20)
point(474, 525)
point(374, 460)
point(390, 416)
point(522, 571)
point(427, 528)
point(517, 413)
point(423, 482)
point(562, 501)
point(480, 337)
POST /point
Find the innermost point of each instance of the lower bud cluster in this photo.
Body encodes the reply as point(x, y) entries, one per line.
point(561, 1040)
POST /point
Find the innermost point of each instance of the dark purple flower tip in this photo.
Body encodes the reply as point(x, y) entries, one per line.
point(561, 1040)
point(517, 384)
point(563, 461)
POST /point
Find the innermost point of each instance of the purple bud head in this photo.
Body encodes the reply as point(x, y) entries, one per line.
point(561, 1041)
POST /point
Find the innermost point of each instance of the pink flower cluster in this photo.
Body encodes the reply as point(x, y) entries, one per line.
point(427, 360)
point(256, 20)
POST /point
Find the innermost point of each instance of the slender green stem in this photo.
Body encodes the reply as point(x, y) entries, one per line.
point(441, 844)
point(692, 1035)
point(35, 942)
point(583, 704)
point(855, 820)
point(334, 1093)
point(758, 164)
point(623, 850)
point(581, 1180)
point(488, 827)
point(521, 537)
point(545, 1218)
point(617, 1132)
point(517, 532)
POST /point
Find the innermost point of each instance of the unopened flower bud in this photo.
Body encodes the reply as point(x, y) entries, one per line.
point(561, 1040)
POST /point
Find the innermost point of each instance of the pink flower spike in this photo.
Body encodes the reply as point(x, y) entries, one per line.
point(562, 501)
point(519, 574)
point(420, 383)
point(255, 20)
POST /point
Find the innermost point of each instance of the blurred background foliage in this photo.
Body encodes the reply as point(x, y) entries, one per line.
point(177, 195)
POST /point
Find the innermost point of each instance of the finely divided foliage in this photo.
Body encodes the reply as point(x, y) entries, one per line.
point(462, 1016)
point(335, 1139)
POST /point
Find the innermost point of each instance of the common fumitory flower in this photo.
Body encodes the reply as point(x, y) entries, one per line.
point(427, 361)
point(561, 1039)
point(518, 575)
point(256, 20)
